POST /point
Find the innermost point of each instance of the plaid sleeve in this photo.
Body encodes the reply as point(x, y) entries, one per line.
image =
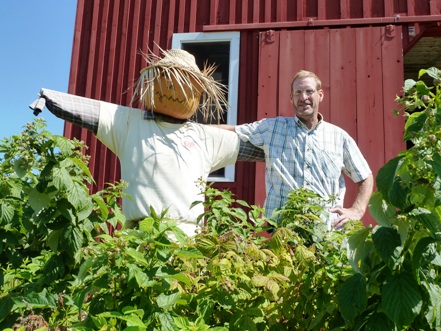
point(249, 152)
point(80, 111)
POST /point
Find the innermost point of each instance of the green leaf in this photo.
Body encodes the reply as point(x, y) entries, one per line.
point(53, 239)
point(43, 299)
point(38, 200)
point(104, 208)
point(84, 209)
point(429, 219)
point(358, 247)
point(414, 123)
point(65, 145)
point(167, 323)
point(6, 305)
point(382, 211)
point(137, 256)
point(62, 179)
point(53, 269)
point(409, 84)
point(401, 298)
point(433, 314)
point(245, 323)
point(83, 167)
point(398, 195)
point(432, 72)
point(378, 322)
point(167, 302)
point(22, 166)
point(77, 194)
point(208, 245)
point(386, 175)
point(418, 252)
point(71, 240)
point(7, 212)
point(353, 297)
point(436, 163)
point(189, 253)
point(387, 242)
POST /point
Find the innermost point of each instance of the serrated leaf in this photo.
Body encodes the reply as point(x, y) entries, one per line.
point(401, 299)
point(208, 245)
point(38, 200)
point(62, 179)
point(77, 194)
point(167, 302)
point(189, 253)
point(167, 323)
point(259, 280)
point(303, 254)
point(7, 212)
point(353, 297)
point(42, 299)
point(65, 145)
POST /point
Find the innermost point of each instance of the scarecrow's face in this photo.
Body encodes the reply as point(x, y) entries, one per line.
point(306, 98)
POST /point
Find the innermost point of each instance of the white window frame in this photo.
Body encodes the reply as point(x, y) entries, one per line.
point(233, 38)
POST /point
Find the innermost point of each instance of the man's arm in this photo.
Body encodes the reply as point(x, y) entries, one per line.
point(358, 209)
point(80, 111)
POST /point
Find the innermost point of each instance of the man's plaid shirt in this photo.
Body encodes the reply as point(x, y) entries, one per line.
point(297, 157)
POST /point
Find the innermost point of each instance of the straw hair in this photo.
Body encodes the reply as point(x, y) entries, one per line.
point(174, 85)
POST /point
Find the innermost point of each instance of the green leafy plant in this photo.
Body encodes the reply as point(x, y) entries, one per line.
point(398, 265)
point(233, 275)
point(47, 217)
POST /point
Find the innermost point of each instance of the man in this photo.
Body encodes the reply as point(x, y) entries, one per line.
point(163, 155)
point(305, 151)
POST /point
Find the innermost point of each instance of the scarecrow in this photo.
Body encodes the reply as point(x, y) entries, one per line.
point(163, 154)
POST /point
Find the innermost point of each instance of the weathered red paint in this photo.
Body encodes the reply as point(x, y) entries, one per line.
point(348, 43)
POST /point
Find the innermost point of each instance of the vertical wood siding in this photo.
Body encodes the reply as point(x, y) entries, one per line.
point(111, 34)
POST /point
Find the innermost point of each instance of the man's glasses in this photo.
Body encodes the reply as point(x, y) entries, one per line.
point(308, 92)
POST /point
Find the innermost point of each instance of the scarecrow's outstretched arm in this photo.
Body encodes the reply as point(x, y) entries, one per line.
point(80, 111)
point(249, 152)
point(85, 113)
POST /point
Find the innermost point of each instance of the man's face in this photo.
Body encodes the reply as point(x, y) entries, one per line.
point(306, 98)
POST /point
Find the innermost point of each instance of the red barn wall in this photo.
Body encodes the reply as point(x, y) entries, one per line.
point(111, 34)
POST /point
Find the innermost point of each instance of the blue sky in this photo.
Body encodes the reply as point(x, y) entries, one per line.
point(35, 51)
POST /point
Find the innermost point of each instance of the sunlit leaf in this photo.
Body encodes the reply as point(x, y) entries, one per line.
point(38, 200)
point(358, 247)
point(382, 211)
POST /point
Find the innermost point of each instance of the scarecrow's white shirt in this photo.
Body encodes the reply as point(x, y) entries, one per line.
point(163, 162)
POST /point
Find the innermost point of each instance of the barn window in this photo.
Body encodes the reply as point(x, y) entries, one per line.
point(221, 49)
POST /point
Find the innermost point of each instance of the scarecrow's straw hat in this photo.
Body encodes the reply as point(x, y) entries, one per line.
point(174, 85)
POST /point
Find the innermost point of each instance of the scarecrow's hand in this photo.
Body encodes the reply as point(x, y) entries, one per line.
point(38, 105)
